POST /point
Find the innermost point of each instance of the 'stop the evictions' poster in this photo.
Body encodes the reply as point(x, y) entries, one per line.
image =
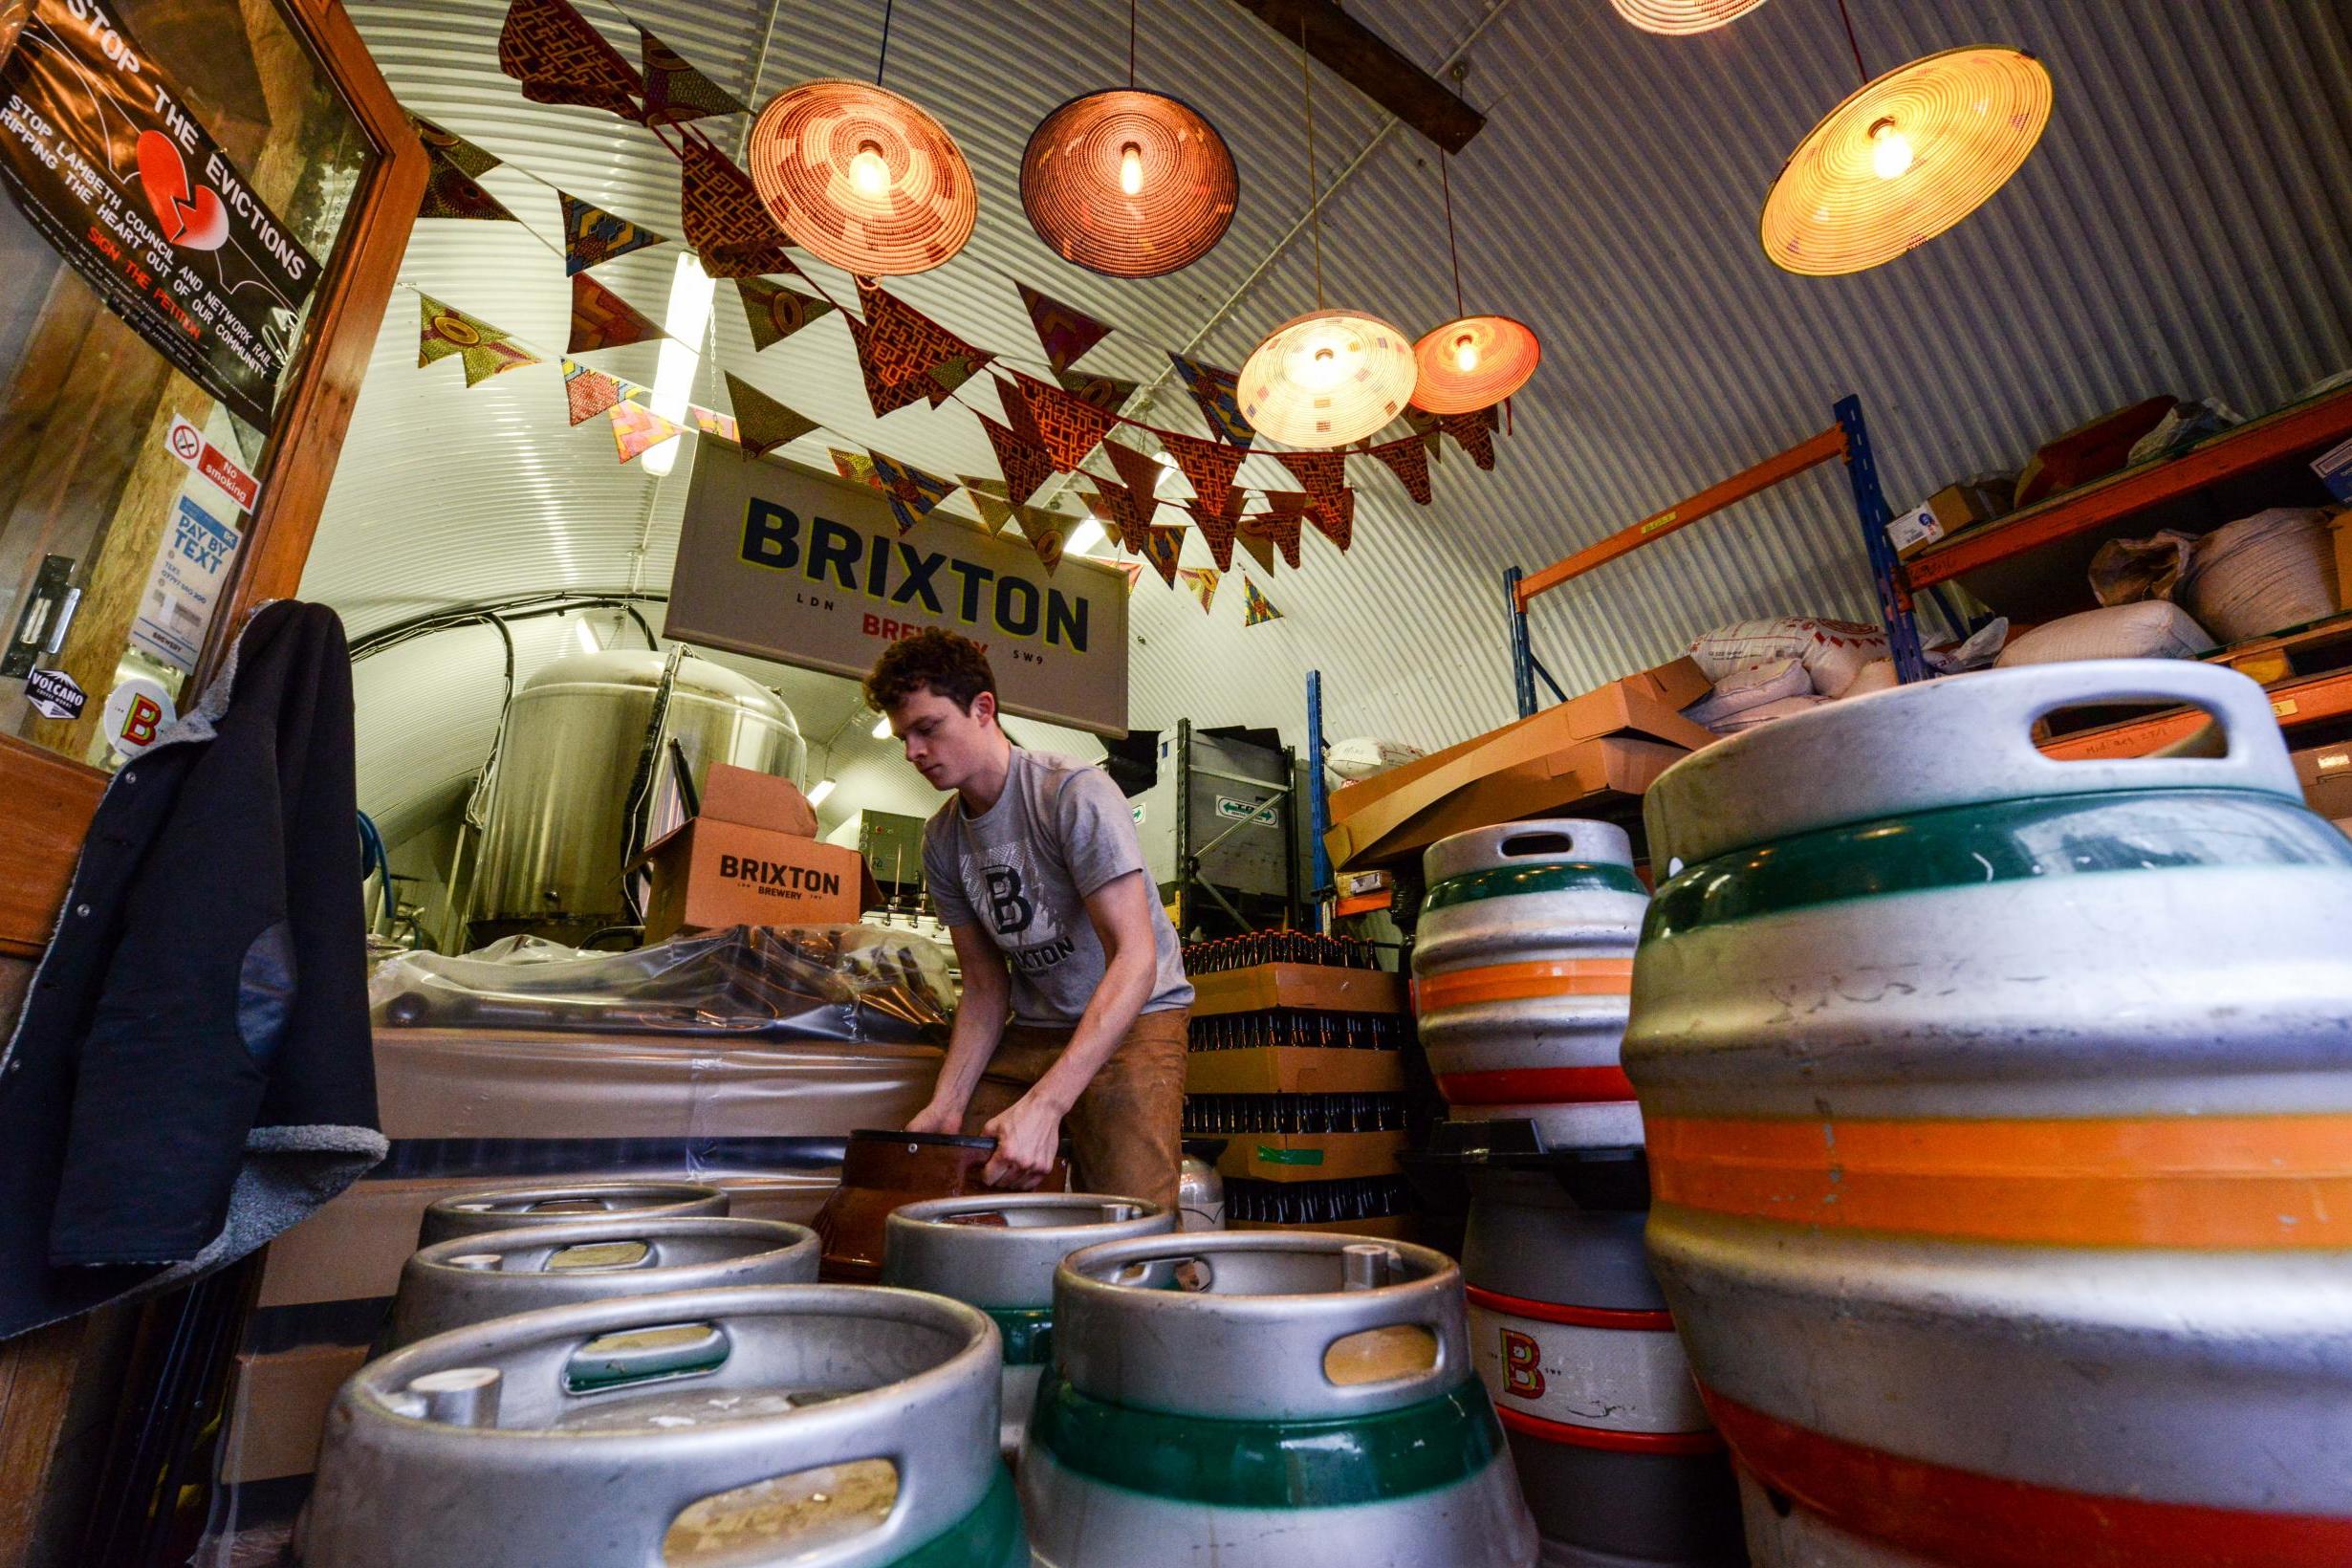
point(114, 170)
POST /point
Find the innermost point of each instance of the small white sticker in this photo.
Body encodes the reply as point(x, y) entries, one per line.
point(136, 712)
point(53, 694)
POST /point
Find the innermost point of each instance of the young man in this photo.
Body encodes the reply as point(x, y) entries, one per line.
point(1035, 869)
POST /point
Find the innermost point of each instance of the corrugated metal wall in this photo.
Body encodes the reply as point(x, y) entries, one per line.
point(2183, 227)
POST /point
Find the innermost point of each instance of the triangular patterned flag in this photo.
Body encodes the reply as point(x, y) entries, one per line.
point(1475, 431)
point(593, 236)
point(912, 491)
point(712, 422)
point(1161, 546)
point(1256, 609)
point(1108, 393)
point(994, 509)
point(638, 430)
point(452, 148)
point(854, 466)
point(675, 91)
point(1207, 465)
point(1280, 526)
point(450, 192)
point(1045, 531)
point(1217, 529)
point(1133, 572)
point(1065, 331)
point(1409, 460)
point(723, 216)
point(1426, 426)
point(588, 392)
point(1026, 464)
point(884, 397)
point(900, 342)
point(1119, 509)
point(763, 424)
point(1324, 474)
point(1336, 520)
point(1137, 472)
point(486, 351)
point(775, 312)
point(1067, 428)
point(1261, 548)
point(952, 373)
point(601, 318)
point(1203, 581)
point(982, 485)
point(1218, 392)
point(561, 57)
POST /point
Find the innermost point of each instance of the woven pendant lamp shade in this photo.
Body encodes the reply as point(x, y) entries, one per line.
point(1503, 354)
point(1904, 159)
point(862, 178)
point(1327, 379)
point(1679, 16)
point(1080, 159)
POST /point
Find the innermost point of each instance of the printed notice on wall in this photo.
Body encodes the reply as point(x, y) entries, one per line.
point(189, 568)
point(115, 172)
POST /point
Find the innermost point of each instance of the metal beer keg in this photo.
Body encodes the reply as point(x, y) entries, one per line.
point(2001, 1129)
point(1266, 1400)
point(565, 1202)
point(806, 1424)
point(471, 1279)
point(998, 1253)
point(1522, 964)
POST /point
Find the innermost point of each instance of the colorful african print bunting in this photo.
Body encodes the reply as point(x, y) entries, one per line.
point(953, 372)
point(901, 344)
point(450, 192)
point(763, 422)
point(1026, 464)
point(1067, 428)
point(486, 351)
point(1261, 548)
point(1065, 331)
point(1279, 527)
point(1335, 519)
point(1426, 426)
point(1217, 529)
point(1409, 460)
point(1137, 472)
point(636, 430)
point(1119, 509)
point(1475, 431)
point(1256, 609)
point(723, 217)
point(601, 318)
point(559, 58)
point(994, 509)
point(1108, 393)
point(453, 148)
point(775, 312)
point(1045, 531)
point(712, 422)
point(912, 491)
point(1133, 570)
point(588, 392)
point(1161, 546)
point(884, 397)
point(1324, 474)
point(854, 466)
point(1218, 392)
point(1203, 581)
point(593, 236)
point(675, 91)
point(1207, 465)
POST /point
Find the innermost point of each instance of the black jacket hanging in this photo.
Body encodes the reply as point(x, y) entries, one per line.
point(193, 1072)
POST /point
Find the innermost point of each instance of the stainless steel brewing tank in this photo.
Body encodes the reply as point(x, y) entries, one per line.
point(550, 862)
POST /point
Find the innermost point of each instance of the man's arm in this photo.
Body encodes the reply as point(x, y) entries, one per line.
point(1028, 1133)
point(979, 1024)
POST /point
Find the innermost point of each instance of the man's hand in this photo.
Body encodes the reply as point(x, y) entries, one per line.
point(937, 1117)
point(1028, 1134)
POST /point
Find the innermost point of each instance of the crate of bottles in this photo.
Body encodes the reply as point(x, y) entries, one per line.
point(1300, 1136)
point(1379, 1207)
point(1279, 1051)
point(1297, 970)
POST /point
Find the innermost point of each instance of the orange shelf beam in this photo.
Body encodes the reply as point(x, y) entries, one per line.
point(2311, 700)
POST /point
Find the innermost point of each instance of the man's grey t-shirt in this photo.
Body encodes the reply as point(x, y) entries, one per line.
point(1022, 870)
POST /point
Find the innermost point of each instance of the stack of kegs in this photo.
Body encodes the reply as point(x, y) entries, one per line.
point(1522, 967)
point(1998, 1113)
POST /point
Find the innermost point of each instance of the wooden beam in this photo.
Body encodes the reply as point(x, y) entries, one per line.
point(1370, 65)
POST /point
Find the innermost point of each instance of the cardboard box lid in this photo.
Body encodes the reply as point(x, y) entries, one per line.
point(750, 797)
point(1593, 777)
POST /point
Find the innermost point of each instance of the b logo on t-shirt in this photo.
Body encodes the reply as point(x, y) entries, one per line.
point(1011, 912)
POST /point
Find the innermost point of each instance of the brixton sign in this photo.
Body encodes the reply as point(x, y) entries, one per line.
point(785, 563)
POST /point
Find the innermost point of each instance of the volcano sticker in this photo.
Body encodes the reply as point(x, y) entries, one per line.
point(114, 170)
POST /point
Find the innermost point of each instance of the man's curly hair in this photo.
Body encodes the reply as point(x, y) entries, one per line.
point(949, 665)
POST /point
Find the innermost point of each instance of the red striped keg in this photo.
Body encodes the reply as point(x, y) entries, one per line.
point(1521, 963)
point(2001, 1129)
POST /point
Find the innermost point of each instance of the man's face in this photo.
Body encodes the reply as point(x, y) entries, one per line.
point(946, 745)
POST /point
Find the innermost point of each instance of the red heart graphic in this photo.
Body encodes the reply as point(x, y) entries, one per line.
point(195, 219)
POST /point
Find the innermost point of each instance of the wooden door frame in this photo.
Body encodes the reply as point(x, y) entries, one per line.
point(52, 798)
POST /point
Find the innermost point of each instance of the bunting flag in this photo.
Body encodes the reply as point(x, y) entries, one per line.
point(1026, 464)
point(953, 372)
point(1119, 509)
point(994, 509)
point(1409, 460)
point(855, 467)
point(1133, 570)
point(636, 430)
point(1067, 428)
point(980, 486)
point(775, 312)
point(762, 423)
point(450, 192)
point(593, 236)
point(902, 345)
point(486, 351)
point(1475, 431)
point(1045, 531)
point(1256, 609)
point(1137, 472)
point(884, 397)
point(1324, 474)
point(1207, 465)
point(721, 214)
point(1335, 519)
point(589, 392)
point(1279, 528)
point(561, 57)
point(675, 91)
point(1108, 393)
point(1262, 549)
point(601, 318)
point(712, 422)
point(1427, 427)
point(1065, 331)
point(912, 491)
point(1203, 581)
point(1218, 530)
point(449, 147)
point(1161, 546)
point(1218, 392)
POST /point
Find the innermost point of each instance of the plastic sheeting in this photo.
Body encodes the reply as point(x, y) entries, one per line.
point(852, 984)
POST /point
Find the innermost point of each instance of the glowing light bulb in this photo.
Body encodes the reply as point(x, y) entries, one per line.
point(1131, 169)
point(1891, 151)
point(869, 175)
point(1321, 370)
point(1465, 354)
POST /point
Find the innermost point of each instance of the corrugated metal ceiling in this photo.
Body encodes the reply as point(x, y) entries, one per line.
point(2181, 228)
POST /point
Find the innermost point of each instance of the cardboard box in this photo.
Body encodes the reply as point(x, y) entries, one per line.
point(1315, 985)
point(751, 858)
point(1946, 513)
point(1676, 683)
point(1590, 778)
point(2334, 466)
point(1310, 1156)
point(1355, 885)
point(2326, 775)
point(1294, 1069)
point(2339, 531)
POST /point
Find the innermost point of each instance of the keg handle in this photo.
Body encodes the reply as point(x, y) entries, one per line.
point(1549, 843)
point(2240, 738)
point(628, 1357)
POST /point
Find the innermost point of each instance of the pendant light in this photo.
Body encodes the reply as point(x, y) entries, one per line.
point(1327, 378)
point(1473, 361)
point(1905, 157)
point(862, 178)
point(1129, 183)
point(1681, 16)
